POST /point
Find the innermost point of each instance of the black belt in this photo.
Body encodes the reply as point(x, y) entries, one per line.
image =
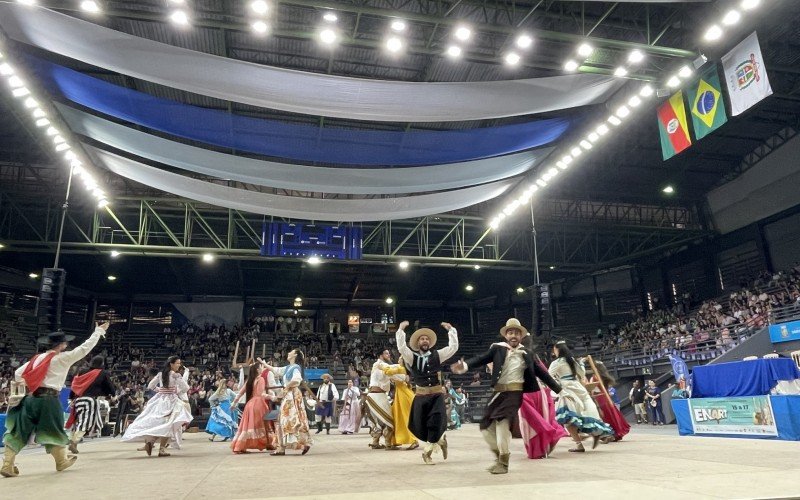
point(44, 391)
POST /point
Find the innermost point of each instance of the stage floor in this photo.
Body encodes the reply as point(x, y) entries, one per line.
point(651, 463)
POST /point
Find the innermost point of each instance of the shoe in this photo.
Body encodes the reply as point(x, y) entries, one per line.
point(63, 462)
point(595, 441)
point(73, 447)
point(306, 449)
point(278, 453)
point(148, 448)
point(551, 449)
point(426, 457)
point(392, 448)
point(9, 469)
point(377, 446)
point(163, 453)
point(496, 460)
point(413, 446)
point(443, 446)
point(501, 467)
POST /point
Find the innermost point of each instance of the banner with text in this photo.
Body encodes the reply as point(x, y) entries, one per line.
point(784, 332)
point(745, 416)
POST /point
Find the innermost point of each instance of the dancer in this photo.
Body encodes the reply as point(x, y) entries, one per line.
point(378, 409)
point(428, 419)
point(327, 394)
point(458, 401)
point(401, 407)
point(271, 418)
point(251, 434)
point(84, 418)
point(293, 432)
point(515, 373)
point(165, 414)
point(350, 417)
point(221, 421)
point(601, 383)
point(40, 411)
point(575, 409)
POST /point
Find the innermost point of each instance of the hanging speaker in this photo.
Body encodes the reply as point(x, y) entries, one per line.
point(51, 300)
point(542, 311)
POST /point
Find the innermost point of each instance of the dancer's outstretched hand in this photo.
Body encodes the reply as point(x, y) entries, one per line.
point(403, 325)
point(447, 326)
point(459, 368)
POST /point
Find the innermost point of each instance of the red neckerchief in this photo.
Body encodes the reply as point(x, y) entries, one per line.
point(34, 376)
point(82, 382)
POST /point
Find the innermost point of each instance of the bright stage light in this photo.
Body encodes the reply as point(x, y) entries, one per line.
point(674, 82)
point(330, 17)
point(20, 92)
point(260, 27)
point(586, 145)
point(524, 41)
point(327, 36)
point(634, 101)
point(469, 288)
point(111, 277)
point(394, 44)
point(635, 56)
point(713, 33)
point(15, 82)
point(52, 131)
point(179, 17)
point(585, 50)
point(541, 182)
point(732, 17)
point(623, 111)
point(6, 69)
point(115, 253)
point(31, 103)
point(208, 257)
point(668, 190)
point(620, 72)
point(403, 264)
point(62, 147)
point(476, 267)
point(571, 65)
point(685, 72)
point(398, 25)
point(494, 224)
point(314, 260)
point(613, 120)
point(646, 91)
point(512, 58)
point(90, 6)
point(39, 113)
point(102, 203)
point(260, 7)
point(389, 300)
point(593, 137)
point(602, 129)
point(750, 4)
point(463, 33)
point(575, 152)
point(454, 51)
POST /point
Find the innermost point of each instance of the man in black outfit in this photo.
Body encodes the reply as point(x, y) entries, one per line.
point(90, 384)
point(637, 400)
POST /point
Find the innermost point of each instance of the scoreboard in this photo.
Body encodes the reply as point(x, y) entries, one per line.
point(283, 239)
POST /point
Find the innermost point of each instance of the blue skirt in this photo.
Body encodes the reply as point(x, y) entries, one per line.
point(221, 422)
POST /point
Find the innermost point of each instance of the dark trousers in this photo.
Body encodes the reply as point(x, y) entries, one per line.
point(428, 418)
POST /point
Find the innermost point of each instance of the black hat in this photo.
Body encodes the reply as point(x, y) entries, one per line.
point(56, 338)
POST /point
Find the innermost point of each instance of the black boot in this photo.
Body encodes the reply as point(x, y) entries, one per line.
point(327, 428)
point(319, 427)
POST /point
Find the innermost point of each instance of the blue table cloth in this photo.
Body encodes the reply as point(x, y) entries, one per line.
point(2, 427)
point(741, 378)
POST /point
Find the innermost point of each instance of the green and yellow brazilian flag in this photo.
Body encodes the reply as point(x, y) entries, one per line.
point(707, 104)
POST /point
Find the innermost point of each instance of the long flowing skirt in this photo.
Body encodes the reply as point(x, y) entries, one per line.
point(613, 417)
point(220, 422)
point(163, 417)
point(252, 435)
point(401, 410)
point(537, 423)
point(576, 407)
point(350, 417)
point(294, 421)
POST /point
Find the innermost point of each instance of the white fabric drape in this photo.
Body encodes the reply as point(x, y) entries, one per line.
point(296, 91)
point(301, 177)
point(298, 207)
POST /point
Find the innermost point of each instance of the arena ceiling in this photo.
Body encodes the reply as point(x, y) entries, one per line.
point(624, 170)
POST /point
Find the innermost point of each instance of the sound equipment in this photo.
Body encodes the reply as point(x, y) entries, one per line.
point(51, 300)
point(542, 310)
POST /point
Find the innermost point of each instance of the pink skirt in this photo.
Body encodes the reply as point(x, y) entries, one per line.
point(537, 423)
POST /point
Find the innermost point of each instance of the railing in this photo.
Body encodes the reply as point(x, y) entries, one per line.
point(784, 314)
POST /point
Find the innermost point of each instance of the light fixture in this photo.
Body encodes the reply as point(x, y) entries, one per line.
point(673, 82)
point(731, 18)
point(102, 203)
point(90, 6)
point(476, 267)
point(70, 156)
point(571, 65)
point(585, 50)
point(685, 72)
point(646, 91)
point(260, 7)
point(27, 2)
point(20, 92)
point(403, 264)
point(586, 145)
point(6, 69)
point(111, 277)
point(179, 17)
point(552, 268)
point(623, 111)
point(454, 51)
point(575, 152)
point(2, 246)
point(15, 82)
point(541, 182)
point(33, 276)
point(314, 260)
point(602, 129)
point(259, 27)
point(750, 4)
point(593, 137)
point(524, 41)
point(463, 33)
point(635, 56)
point(327, 36)
point(208, 257)
point(553, 171)
point(469, 288)
point(494, 224)
point(42, 122)
point(330, 17)
point(512, 58)
point(634, 101)
point(394, 44)
point(560, 164)
point(668, 190)
point(520, 289)
point(714, 32)
point(39, 113)
point(98, 193)
point(620, 72)
point(398, 25)
point(62, 147)
point(613, 120)
point(115, 253)
point(58, 139)
point(389, 300)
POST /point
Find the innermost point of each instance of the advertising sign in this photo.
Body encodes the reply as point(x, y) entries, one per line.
point(745, 416)
point(784, 332)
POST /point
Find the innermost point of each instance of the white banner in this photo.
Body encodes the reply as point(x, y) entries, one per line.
point(746, 75)
point(217, 313)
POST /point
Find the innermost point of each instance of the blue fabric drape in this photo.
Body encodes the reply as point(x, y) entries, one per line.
point(292, 141)
point(741, 378)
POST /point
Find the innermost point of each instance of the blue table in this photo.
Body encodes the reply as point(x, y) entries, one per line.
point(785, 410)
point(741, 378)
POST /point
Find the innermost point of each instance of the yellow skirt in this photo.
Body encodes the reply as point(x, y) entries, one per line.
point(401, 410)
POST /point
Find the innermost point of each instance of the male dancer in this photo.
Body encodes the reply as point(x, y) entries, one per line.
point(516, 375)
point(40, 411)
point(327, 394)
point(428, 420)
point(379, 412)
point(91, 384)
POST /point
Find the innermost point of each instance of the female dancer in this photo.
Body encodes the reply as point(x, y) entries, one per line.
point(221, 422)
point(293, 421)
point(537, 420)
point(601, 394)
point(350, 417)
point(401, 407)
point(251, 434)
point(575, 409)
point(165, 414)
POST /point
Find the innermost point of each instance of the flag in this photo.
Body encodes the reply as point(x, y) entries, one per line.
point(745, 75)
point(708, 107)
point(672, 126)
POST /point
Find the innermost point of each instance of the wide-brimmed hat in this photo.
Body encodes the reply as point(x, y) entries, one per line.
point(414, 342)
point(327, 376)
point(514, 323)
point(56, 338)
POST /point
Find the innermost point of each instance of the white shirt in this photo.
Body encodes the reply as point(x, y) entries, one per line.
point(513, 369)
point(351, 394)
point(175, 380)
point(322, 392)
point(445, 353)
point(378, 378)
point(61, 363)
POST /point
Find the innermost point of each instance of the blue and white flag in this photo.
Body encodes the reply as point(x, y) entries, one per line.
point(680, 369)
